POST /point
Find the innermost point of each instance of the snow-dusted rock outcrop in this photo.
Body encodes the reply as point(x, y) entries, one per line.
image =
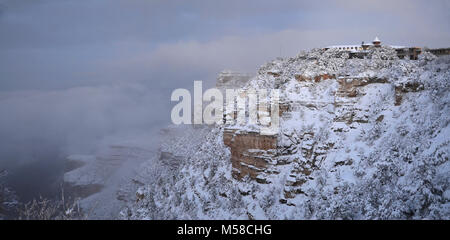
point(361, 139)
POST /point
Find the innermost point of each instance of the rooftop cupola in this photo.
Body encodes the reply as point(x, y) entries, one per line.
point(376, 42)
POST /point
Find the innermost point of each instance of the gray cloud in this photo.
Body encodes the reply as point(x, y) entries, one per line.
point(76, 120)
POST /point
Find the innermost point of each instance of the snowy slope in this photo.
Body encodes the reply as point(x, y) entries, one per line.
point(359, 154)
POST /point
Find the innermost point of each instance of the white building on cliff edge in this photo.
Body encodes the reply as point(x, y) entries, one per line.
point(362, 49)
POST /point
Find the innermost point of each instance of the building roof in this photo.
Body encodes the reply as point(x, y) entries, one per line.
point(351, 48)
point(343, 46)
point(357, 48)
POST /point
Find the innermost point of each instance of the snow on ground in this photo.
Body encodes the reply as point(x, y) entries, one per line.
point(389, 162)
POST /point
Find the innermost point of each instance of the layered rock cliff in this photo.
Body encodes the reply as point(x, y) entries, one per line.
point(358, 139)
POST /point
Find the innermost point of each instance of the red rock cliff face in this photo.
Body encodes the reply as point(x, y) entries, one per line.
point(318, 78)
point(251, 152)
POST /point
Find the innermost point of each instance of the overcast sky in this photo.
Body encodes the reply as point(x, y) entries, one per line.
point(75, 71)
point(57, 44)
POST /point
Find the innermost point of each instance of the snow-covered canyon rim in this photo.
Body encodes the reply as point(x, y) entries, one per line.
point(358, 139)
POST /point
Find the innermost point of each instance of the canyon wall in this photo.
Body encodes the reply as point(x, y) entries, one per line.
point(257, 156)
